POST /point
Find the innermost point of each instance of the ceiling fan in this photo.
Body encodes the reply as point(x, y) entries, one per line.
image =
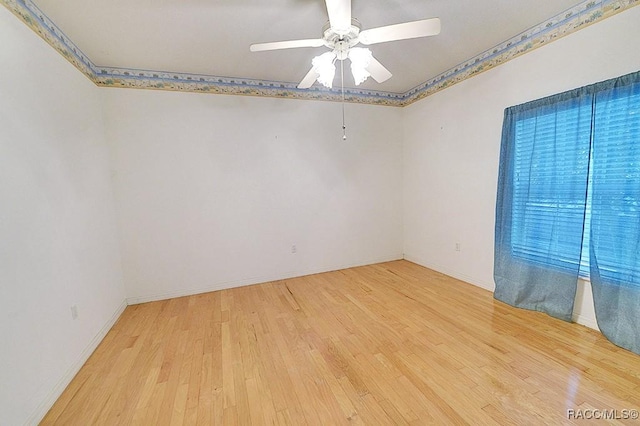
point(341, 34)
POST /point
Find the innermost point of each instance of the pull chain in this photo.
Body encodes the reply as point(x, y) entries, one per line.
point(344, 127)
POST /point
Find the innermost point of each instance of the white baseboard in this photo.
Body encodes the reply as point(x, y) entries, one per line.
point(222, 285)
point(62, 384)
point(455, 274)
point(587, 321)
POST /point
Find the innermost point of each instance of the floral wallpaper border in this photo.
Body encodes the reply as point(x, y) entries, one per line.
point(569, 21)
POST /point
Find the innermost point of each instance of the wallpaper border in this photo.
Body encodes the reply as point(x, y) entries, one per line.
point(565, 23)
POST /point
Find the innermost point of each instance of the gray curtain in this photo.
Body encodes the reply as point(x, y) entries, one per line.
point(615, 210)
point(568, 204)
point(540, 209)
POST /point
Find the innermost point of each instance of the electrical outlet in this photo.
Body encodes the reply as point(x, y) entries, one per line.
point(74, 312)
point(457, 246)
point(294, 249)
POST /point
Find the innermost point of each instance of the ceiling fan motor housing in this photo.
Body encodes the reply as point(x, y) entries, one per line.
point(341, 43)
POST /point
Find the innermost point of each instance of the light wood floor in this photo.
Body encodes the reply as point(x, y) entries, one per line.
point(392, 343)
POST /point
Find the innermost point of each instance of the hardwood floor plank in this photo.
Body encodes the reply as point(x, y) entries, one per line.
point(391, 343)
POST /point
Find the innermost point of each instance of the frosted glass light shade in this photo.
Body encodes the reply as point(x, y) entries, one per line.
point(360, 60)
point(324, 66)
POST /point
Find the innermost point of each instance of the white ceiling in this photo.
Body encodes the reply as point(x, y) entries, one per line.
point(212, 37)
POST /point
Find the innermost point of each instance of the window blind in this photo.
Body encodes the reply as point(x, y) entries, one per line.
point(550, 170)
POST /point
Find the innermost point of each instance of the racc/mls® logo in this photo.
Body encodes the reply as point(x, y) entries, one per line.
point(604, 414)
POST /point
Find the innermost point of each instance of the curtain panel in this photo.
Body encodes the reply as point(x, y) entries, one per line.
point(614, 249)
point(541, 202)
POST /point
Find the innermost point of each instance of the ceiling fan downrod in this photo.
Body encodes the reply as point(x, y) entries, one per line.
point(344, 127)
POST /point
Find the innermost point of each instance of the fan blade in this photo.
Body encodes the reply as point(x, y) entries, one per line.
point(339, 15)
point(378, 71)
point(308, 79)
point(423, 28)
point(312, 42)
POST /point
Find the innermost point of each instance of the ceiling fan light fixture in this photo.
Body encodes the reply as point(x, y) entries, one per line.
point(341, 34)
point(324, 66)
point(360, 59)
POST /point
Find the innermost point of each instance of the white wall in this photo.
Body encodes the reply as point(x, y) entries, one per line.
point(57, 224)
point(213, 191)
point(452, 144)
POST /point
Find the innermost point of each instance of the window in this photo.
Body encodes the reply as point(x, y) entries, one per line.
point(568, 205)
point(566, 153)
